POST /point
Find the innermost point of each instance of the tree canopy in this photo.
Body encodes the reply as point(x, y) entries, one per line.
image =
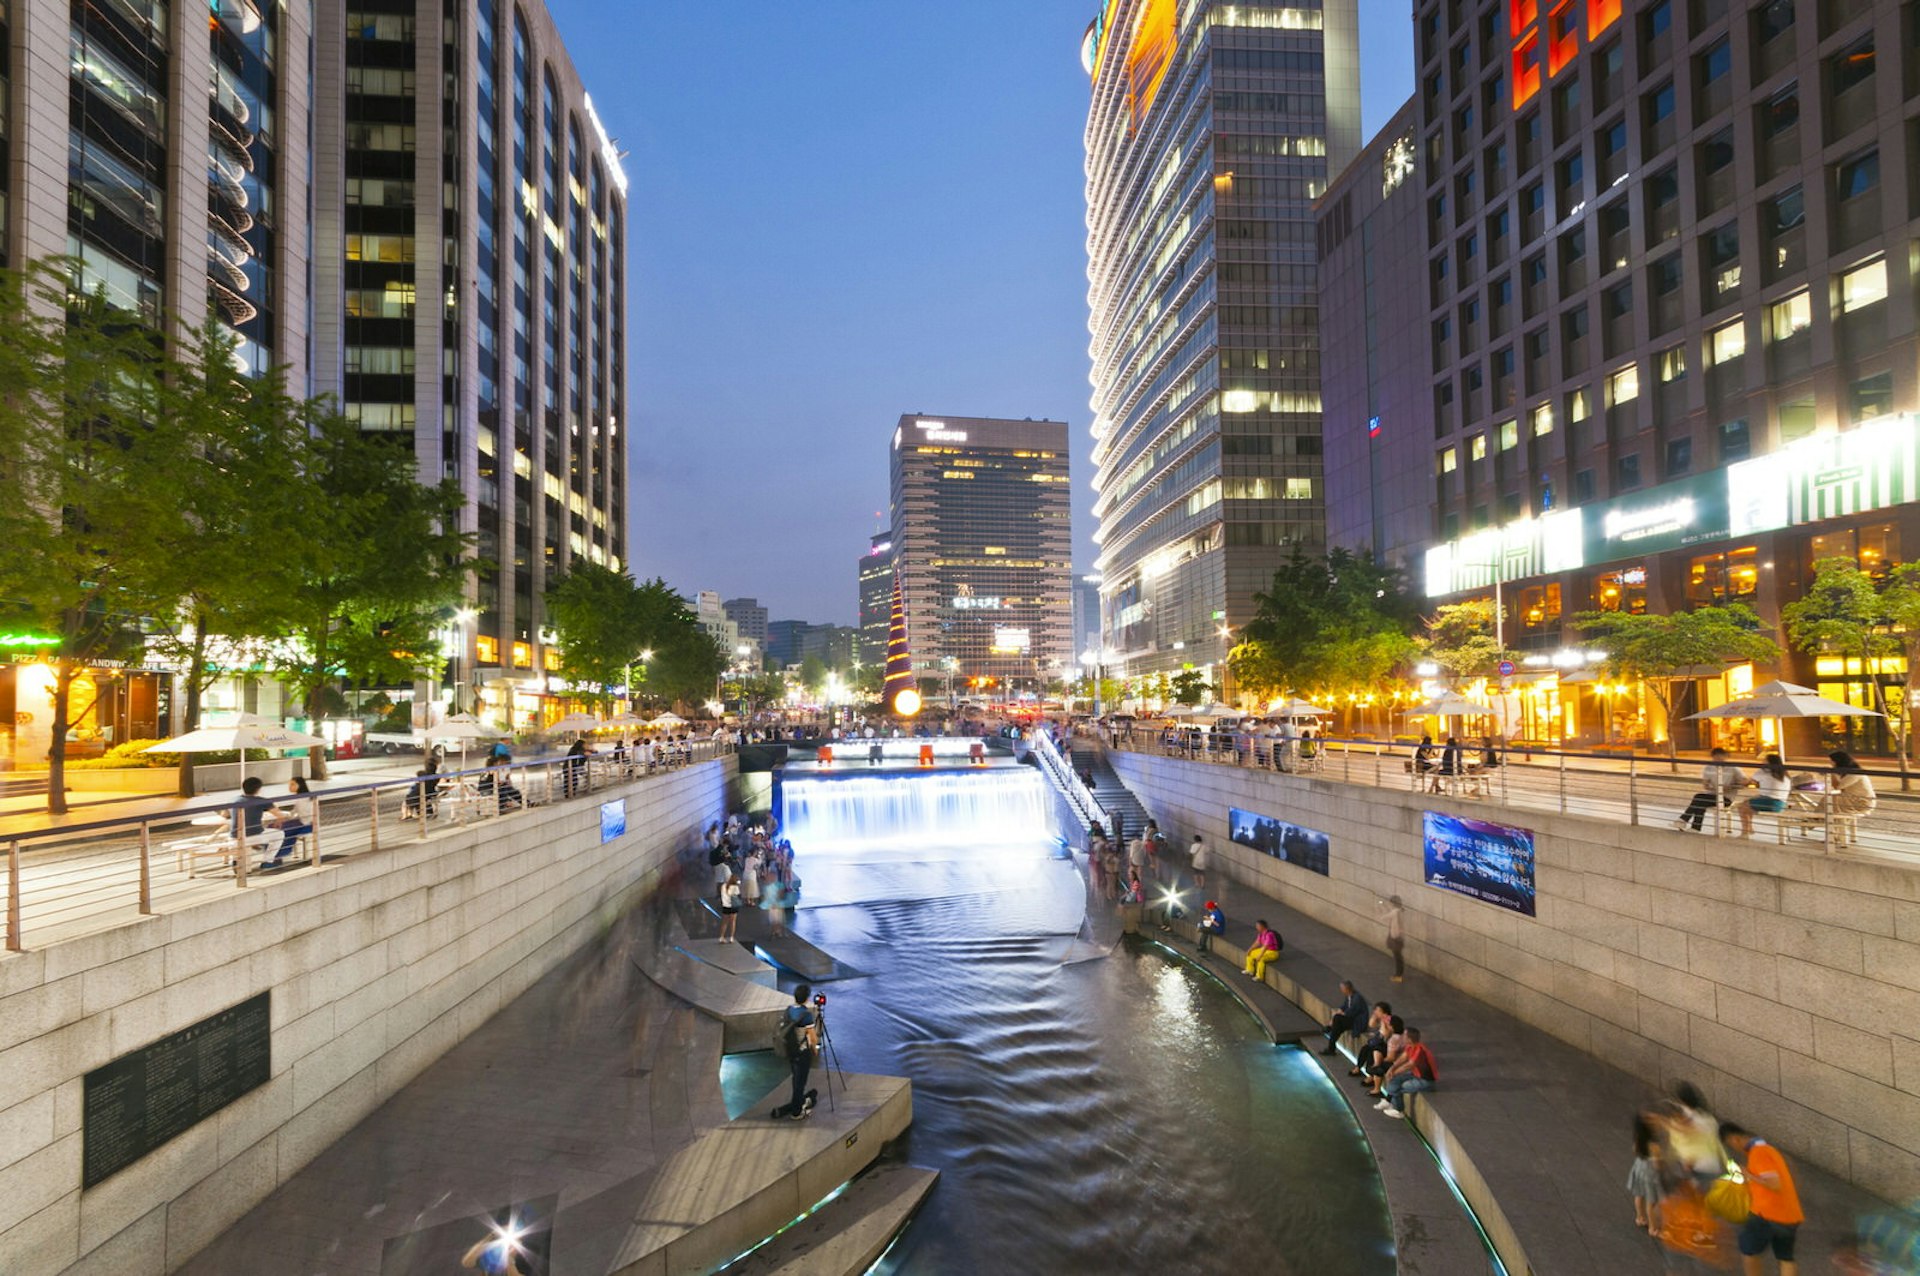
point(1667, 652)
point(1331, 621)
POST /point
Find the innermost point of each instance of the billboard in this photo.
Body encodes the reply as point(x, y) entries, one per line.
point(1490, 862)
point(613, 819)
point(1294, 843)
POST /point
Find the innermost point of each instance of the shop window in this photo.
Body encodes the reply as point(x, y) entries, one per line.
point(486, 649)
point(1714, 578)
point(1538, 608)
point(1880, 548)
point(1623, 590)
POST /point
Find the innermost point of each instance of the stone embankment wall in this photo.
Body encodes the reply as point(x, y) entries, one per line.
point(1782, 980)
point(376, 965)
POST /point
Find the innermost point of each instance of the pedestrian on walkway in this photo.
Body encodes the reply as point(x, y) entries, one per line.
point(1694, 1135)
point(1774, 1223)
point(1643, 1180)
point(750, 874)
point(1198, 857)
point(1110, 866)
point(1138, 858)
point(1266, 946)
point(1390, 912)
point(729, 908)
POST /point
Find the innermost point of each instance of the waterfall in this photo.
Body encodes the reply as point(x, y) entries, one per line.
point(998, 805)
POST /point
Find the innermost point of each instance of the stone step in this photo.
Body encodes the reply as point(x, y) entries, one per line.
point(747, 1011)
point(848, 1235)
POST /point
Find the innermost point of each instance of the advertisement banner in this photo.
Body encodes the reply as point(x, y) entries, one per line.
point(1490, 862)
point(1293, 843)
point(613, 819)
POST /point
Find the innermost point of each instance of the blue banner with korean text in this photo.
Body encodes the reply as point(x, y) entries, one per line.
point(1489, 862)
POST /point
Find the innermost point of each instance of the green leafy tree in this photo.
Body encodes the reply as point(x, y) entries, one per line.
point(813, 675)
point(377, 565)
point(596, 613)
point(1848, 612)
point(1661, 652)
point(86, 466)
point(1190, 686)
point(686, 661)
point(1332, 622)
point(1460, 639)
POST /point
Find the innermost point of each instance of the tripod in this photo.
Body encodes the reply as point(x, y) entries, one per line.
point(829, 1057)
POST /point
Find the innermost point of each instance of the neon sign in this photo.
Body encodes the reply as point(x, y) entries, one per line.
point(28, 640)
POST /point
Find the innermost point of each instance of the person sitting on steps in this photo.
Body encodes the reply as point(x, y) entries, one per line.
point(1266, 946)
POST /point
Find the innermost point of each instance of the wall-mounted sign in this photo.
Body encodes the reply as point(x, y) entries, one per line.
point(1008, 641)
point(1871, 467)
point(1490, 862)
point(976, 602)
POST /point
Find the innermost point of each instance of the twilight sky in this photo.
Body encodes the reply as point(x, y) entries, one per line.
point(838, 213)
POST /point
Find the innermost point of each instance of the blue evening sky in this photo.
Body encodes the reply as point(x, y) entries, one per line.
point(840, 212)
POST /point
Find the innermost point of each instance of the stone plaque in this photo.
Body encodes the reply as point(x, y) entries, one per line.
point(140, 1100)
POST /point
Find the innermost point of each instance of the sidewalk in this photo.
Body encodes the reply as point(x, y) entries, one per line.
point(1546, 1127)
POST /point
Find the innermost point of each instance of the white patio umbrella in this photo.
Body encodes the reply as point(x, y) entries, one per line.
point(624, 723)
point(576, 722)
point(1780, 700)
point(668, 719)
point(248, 731)
point(1218, 710)
point(1450, 705)
point(1180, 711)
point(462, 727)
point(1296, 709)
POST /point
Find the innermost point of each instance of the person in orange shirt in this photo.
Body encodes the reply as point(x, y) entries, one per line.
point(1776, 1217)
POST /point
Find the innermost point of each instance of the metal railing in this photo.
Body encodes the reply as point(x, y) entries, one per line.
point(1062, 772)
point(79, 878)
point(1628, 788)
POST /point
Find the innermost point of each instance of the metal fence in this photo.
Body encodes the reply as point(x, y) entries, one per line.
point(1627, 788)
point(81, 878)
point(1064, 778)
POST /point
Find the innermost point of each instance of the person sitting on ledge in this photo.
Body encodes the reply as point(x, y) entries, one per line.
point(1391, 1051)
point(1266, 946)
point(1412, 1073)
point(1349, 1017)
point(1376, 1035)
point(1213, 922)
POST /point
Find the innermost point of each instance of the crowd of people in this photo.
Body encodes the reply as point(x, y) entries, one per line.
point(751, 867)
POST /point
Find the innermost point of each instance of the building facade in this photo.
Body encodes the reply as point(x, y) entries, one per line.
point(983, 543)
point(1212, 130)
point(875, 573)
point(749, 616)
point(457, 157)
point(1372, 239)
point(1671, 327)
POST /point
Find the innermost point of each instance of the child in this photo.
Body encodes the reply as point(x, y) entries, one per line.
point(1643, 1180)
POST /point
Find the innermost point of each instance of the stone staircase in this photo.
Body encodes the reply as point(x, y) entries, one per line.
point(1114, 797)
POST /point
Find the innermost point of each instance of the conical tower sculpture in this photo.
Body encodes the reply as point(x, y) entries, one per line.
point(899, 693)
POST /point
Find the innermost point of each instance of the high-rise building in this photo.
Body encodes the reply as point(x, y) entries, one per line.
point(457, 157)
point(1372, 240)
point(876, 591)
point(982, 540)
point(1212, 129)
point(749, 616)
point(1086, 615)
point(1671, 340)
point(164, 149)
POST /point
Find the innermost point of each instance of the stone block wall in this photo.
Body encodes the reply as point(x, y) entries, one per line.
point(377, 965)
point(1784, 980)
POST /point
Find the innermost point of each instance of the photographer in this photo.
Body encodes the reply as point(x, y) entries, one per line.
point(800, 1034)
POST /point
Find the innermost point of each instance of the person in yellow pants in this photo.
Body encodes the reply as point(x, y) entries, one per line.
point(1266, 946)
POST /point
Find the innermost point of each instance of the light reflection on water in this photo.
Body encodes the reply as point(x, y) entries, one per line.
point(1117, 1115)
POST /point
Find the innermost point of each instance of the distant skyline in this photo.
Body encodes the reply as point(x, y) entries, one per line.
point(839, 214)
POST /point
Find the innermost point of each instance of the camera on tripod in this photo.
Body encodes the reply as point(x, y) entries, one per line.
point(820, 1001)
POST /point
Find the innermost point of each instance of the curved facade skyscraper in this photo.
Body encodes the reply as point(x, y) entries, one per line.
point(1212, 130)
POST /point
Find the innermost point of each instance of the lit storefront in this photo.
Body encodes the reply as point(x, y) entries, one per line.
point(109, 704)
point(1749, 533)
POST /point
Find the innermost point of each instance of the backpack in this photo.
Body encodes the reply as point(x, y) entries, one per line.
point(788, 1044)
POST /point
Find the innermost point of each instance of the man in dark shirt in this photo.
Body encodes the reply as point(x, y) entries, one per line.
point(250, 812)
point(1351, 1014)
point(802, 1041)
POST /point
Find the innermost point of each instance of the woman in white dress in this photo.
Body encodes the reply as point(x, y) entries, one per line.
point(750, 878)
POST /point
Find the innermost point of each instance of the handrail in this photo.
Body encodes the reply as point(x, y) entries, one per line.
point(1063, 775)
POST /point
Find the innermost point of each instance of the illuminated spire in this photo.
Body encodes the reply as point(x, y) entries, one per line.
point(899, 693)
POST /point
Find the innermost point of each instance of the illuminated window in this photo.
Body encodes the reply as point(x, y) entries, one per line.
point(1790, 316)
point(522, 656)
point(1449, 460)
point(1624, 385)
point(1671, 363)
point(486, 649)
point(1863, 285)
point(1299, 489)
point(1509, 432)
point(1579, 405)
point(1477, 447)
point(552, 658)
point(1543, 420)
point(1727, 342)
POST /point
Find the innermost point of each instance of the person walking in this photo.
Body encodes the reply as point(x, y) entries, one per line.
point(800, 1037)
point(1643, 1179)
point(729, 907)
point(1266, 946)
point(1718, 779)
point(1774, 1223)
point(1139, 859)
point(1390, 912)
point(1198, 857)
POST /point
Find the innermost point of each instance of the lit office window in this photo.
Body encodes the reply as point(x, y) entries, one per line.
point(1863, 285)
point(1790, 315)
point(1727, 342)
point(1449, 460)
point(1624, 385)
point(1477, 447)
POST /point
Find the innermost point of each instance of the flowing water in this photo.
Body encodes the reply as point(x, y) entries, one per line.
point(1088, 1113)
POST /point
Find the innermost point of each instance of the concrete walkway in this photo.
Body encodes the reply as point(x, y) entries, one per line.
point(1545, 1127)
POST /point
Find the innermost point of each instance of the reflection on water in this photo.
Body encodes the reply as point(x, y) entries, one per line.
point(1119, 1115)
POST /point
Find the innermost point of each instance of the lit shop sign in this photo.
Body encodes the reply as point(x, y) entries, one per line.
point(937, 431)
point(1010, 641)
point(971, 602)
point(609, 153)
point(1828, 476)
point(1553, 542)
point(1674, 514)
point(28, 640)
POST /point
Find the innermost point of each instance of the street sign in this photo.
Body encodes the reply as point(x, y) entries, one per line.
point(1506, 668)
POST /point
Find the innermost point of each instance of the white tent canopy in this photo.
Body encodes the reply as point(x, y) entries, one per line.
point(1450, 705)
point(577, 722)
point(247, 731)
point(668, 719)
point(1785, 700)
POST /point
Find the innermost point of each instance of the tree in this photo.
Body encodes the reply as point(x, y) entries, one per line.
point(1845, 610)
point(596, 613)
point(377, 565)
point(1335, 621)
point(686, 660)
point(1190, 686)
point(86, 470)
point(1459, 638)
point(813, 674)
point(1662, 651)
